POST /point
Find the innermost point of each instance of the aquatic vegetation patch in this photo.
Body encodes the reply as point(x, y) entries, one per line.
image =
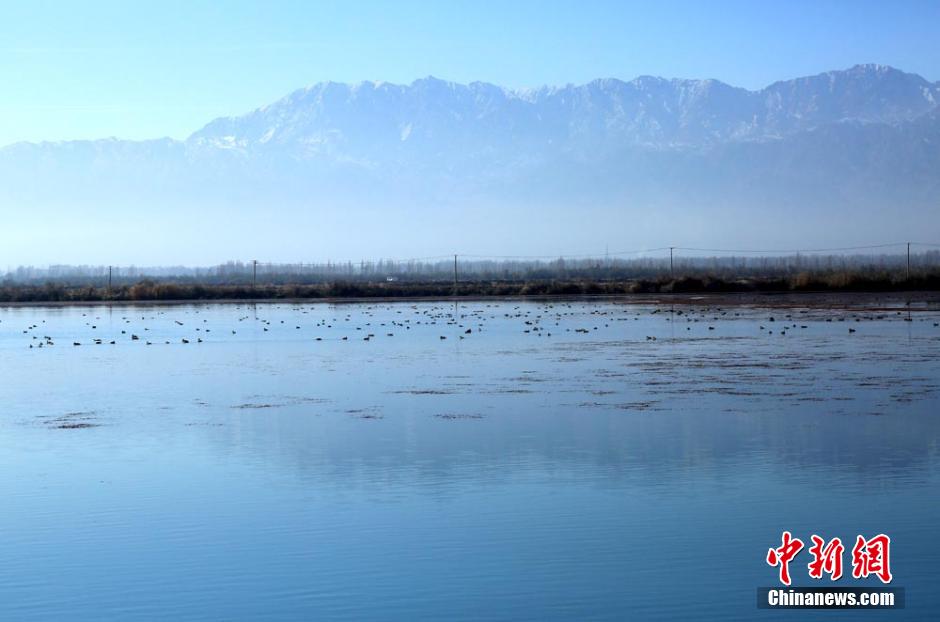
point(365, 413)
point(453, 416)
point(649, 405)
point(256, 406)
point(310, 400)
point(73, 420)
point(528, 379)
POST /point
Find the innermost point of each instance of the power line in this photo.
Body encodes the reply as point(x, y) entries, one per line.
point(553, 257)
point(599, 255)
point(354, 261)
point(429, 261)
point(792, 250)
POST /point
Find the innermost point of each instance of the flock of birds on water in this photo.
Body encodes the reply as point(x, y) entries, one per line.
point(538, 320)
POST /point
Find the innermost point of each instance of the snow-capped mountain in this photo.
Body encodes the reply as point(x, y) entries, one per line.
point(838, 146)
point(331, 117)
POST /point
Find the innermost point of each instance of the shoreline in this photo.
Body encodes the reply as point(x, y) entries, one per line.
point(894, 301)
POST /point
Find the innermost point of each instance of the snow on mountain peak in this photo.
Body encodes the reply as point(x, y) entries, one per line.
point(370, 116)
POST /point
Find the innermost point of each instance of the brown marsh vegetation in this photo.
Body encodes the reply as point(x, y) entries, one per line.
point(170, 290)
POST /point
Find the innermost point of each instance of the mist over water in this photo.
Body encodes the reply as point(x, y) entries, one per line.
point(374, 169)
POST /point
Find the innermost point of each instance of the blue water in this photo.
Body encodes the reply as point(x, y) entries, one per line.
point(505, 475)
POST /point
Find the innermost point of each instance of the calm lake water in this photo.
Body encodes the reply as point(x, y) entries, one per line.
point(545, 461)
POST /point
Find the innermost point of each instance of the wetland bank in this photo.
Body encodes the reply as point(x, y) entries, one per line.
point(494, 458)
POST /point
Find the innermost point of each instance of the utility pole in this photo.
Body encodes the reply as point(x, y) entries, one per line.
point(254, 273)
point(456, 311)
point(908, 261)
point(672, 274)
point(109, 280)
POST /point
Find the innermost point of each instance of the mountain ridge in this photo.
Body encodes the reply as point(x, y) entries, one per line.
point(841, 157)
point(784, 107)
point(649, 111)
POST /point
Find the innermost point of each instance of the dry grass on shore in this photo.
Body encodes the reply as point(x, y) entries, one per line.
point(150, 290)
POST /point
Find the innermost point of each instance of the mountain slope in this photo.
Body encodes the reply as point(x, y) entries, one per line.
point(650, 159)
point(645, 111)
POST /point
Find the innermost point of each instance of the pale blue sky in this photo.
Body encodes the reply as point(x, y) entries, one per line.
point(162, 68)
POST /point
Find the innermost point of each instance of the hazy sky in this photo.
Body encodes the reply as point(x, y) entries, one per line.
point(148, 69)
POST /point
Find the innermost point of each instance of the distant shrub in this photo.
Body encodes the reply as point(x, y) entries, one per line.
point(535, 285)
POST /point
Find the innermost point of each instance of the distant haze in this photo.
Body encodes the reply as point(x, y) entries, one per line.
point(369, 170)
